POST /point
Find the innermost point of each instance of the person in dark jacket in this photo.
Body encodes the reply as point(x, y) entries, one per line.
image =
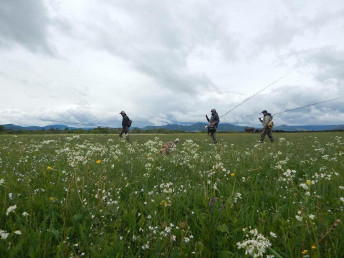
point(125, 126)
point(213, 124)
point(266, 129)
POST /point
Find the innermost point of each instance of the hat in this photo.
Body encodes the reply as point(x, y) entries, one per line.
point(264, 111)
point(213, 110)
point(122, 112)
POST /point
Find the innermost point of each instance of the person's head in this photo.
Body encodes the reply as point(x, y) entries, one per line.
point(122, 113)
point(265, 112)
point(213, 111)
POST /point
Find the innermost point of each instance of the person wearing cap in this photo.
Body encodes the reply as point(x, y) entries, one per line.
point(214, 122)
point(266, 130)
point(125, 126)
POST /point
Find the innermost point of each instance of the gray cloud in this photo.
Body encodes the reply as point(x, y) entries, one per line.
point(76, 116)
point(164, 62)
point(157, 40)
point(329, 62)
point(169, 72)
point(290, 97)
point(24, 23)
point(280, 34)
point(284, 30)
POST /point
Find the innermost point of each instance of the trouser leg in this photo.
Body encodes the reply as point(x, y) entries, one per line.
point(270, 135)
point(262, 136)
point(127, 133)
point(213, 136)
point(121, 133)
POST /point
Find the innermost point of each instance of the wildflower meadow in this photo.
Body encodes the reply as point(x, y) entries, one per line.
point(98, 196)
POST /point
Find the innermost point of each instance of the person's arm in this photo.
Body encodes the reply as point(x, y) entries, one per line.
point(216, 121)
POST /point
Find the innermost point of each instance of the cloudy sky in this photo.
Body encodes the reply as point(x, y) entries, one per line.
point(81, 62)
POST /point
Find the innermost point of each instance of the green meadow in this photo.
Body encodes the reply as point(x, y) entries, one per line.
point(97, 196)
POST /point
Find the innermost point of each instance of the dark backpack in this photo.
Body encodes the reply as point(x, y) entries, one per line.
point(129, 123)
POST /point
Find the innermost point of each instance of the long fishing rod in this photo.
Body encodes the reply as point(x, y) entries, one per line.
point(255, 94)
point(307, 106)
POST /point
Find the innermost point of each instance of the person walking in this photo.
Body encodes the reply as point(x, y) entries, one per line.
point(267, 126)
point(214, 122)
point(126, 123)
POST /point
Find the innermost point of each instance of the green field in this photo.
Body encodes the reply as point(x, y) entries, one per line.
point(96, 196)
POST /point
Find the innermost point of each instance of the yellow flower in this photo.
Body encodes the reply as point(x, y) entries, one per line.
point(49, 168)
point(304, 251)
point(147, 155)
point(98, 161)
point(232, 174)
point(308, 182)
point(164, 203)
point(52, 198)
point(314, 247)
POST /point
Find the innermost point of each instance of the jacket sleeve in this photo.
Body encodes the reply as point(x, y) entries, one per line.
point(217, 119)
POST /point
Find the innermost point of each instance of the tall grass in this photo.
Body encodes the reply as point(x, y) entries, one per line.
point(94, 195)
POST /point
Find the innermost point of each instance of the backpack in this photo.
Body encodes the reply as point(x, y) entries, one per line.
point(129, 123)
point(270, 125)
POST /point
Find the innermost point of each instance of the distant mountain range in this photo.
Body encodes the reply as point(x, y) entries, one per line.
point(37, 128)
point(298, 128)
point(188, 127)
point(197, 127)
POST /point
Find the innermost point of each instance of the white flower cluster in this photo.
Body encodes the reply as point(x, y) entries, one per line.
point(167, 187)
point(71, 138)
point(325, 176)
point(148, 166)
point(190, 146)
point(11, 209)
point(256, 246)
point(153, 146)
point(304, 186)
point(280, 163)
point(218, 167)
point(300, 216)
point(47, 142)
point(237, 197)
point(3, 234)
point(287, 176)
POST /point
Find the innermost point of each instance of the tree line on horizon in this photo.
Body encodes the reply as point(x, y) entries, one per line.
point(97, 130)
point(107, 130)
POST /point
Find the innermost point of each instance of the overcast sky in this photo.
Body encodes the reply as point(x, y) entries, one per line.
point(81, 62)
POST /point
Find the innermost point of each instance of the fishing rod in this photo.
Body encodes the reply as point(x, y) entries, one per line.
point(307, 105)
point(255, 94)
